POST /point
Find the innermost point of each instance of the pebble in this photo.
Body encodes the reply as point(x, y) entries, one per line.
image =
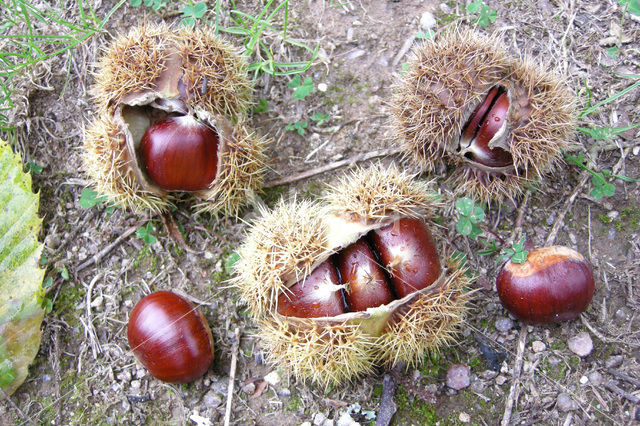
point(501, 380)
point(504, 324)
point(581, 344)
point(285, 393)
point(488, 374)
point(538, 346)
point(135, 384)
point(636, 150)
point(356, 54)
point(249, 388)
point(140, 373)
point(458, 376)
point(613, 214)
point(614, 361)
point(584, 380)
point(595, 378)
point(346, 420)
point(124, 376)
point(305, 424)
point(272, 378)
point(565, 403)
point(322, 87)
point(427, 21)
point(464, 417)
point(211, 399)
point(319, 419)
point(621, 314)
point(97, 302)
point(446, 8)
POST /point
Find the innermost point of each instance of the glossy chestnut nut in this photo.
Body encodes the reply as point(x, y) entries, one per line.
point(554, 284)
point(407, 249)
point(366, 284)
point(484, 123)
point(180, 153)
point(170, 337)
point(317, 295)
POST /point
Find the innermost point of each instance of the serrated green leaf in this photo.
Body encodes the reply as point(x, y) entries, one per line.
point(519, 257)
point(20, 274)
point(464, 226)
point(304, 90)
point(477, 214)
point(609, 190)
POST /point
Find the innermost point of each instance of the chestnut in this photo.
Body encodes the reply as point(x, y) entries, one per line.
point(180, 153)
point(554, 284)
point(317, 295)
point(407, 249)
point(170, 337)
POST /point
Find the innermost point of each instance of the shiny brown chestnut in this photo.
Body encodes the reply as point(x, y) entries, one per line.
point(554, 284)
point(180, 153)
point(170, 337)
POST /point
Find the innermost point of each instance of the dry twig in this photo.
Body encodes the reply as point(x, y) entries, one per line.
point(232, 375)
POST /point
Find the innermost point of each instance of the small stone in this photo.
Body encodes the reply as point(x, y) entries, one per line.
point(445, 8)
point(501, 380)
point(584, 380)
point(349, 34)
point(458, 376)
point(427, 21)
point(638, 414)
point(140, 373)
point(356, 54)
point(595, 378)
point(565, 403)
point(284, 393)
point(272, 378)
point(249, 388)
point(97, 302)
point(346, 420)
point(504, 324)
point(613, 214)
point(488, 374)
point(135, 384)
point(573, 238)
point(322, 87)
point(614, 361)
point(211, 399)
point(464, 417)
point(621, 315)
point(538, 346)
point(305, 424)
point(636, 151)
point(124, 376)
point(319, 419)
point(581, 344)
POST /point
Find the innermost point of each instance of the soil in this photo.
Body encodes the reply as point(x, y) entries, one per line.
point(85, 372)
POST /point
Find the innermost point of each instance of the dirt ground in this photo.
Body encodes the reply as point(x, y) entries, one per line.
point(85, 372)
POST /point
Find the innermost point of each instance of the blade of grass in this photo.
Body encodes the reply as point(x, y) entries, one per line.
point(610, 99)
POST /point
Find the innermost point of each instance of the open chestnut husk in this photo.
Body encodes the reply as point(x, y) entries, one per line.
point(357, 281)
point(170, 337)
point(181, 94)
point(499, 120)
point(554, 284)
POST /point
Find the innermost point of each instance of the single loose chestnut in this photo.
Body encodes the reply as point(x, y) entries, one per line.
point(170, 337)
point(180, 153)
point(554, 284)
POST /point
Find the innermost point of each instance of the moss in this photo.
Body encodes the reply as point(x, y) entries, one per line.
point(377, 391)
point(432, 364)
point(555, 372)
point(558, 345)
point(67, 301)
point(272, 195)
point(146, 260)
point(604, 218)
point(413, 411)
point(294, 404)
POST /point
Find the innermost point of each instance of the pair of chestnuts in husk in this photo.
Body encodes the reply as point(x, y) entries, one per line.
point(171, 106)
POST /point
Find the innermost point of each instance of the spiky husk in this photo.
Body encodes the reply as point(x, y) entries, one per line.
point(376, 193)
point(212, 63)
point(425, 324)
point(132, 63)
point(326, 354)
point(448, 77)
point(445, 78)
point(285, 242)
point(242, 173)
point(213, 72)
point(107, 164)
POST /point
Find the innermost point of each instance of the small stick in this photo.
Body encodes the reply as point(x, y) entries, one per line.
point(387, 406)
point(332, 166)
point(616, 389)
point(232, 376)
point(517, 368)
point(15, 407)
point(102, 253)
point(551, 238)
point(623, 376)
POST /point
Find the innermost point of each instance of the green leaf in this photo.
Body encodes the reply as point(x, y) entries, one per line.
point(320, 118)
point(262, 107)
point(135, 3)
point(474, 6)
point(519, 257)
point(230, 262)
point(33, 168)
point(304, 90)
point(199, 9)
point(464, 206)
point(609, 190)
point(20, 274)
point(146, 234)
point(475, 232)
point(597, 192)
point(64, 273)
point(477, 214)
point(89, 198)
point(464, 226)
point(633, 6)
point(295, 82)
point(613, 52)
